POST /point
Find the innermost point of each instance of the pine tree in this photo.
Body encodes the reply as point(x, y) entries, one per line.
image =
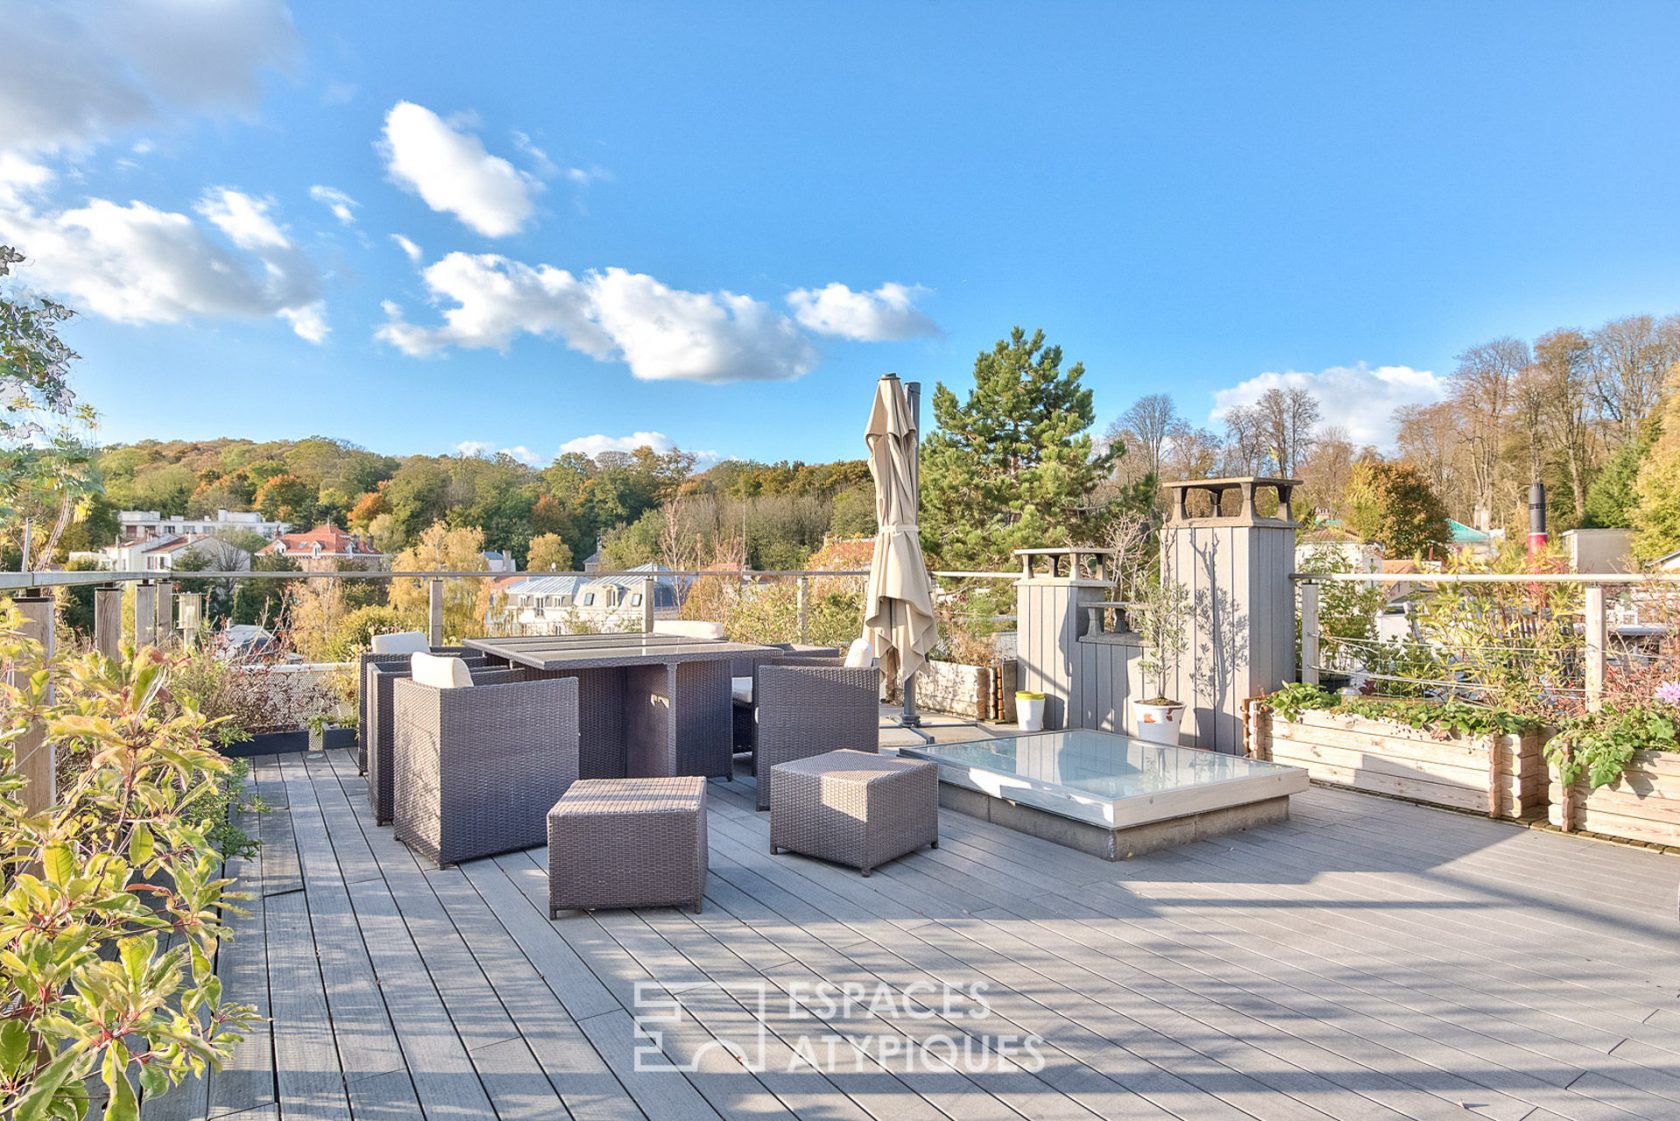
point(1014, 466)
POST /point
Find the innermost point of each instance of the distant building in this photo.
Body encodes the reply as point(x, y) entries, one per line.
point(159, 553)
point(495, 561)
point(565, 602)
point(1600, 550)
point(1476, 542)
point(324, 549)
point(1331, 540)
point(140, 524)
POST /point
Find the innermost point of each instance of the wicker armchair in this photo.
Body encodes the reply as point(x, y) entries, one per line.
point(380, 733)
point(477, 769)
point(364, 662)
point(805, 708)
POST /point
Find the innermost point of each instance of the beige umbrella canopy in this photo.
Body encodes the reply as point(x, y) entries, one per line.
point(898, 604)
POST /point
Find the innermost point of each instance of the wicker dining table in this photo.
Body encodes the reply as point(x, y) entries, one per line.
point(649, 705)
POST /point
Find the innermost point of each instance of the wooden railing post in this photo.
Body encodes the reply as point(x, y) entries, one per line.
point(1596, 631)
point(802, 609)
point(165, 617)
point(647, 605)
point(1309, 634)
point(145, 614)
point(107, 621)
point(434, 612)
point(34, 753)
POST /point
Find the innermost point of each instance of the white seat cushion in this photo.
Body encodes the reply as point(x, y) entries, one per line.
point(440, 671)
point(402, 642)
point(740, 689)
point(860, 655)
point(688, 628)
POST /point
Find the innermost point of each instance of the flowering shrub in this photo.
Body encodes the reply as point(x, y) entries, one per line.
point(114, 905)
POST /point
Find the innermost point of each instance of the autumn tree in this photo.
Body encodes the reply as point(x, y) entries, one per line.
point(548, 553)
point(286, 498)
point(1394, 505)
point(1013, 465)
point(1632, 357)
point(441, 549)
point(1483, 386)
point(1144, 430)
point(1563, 366)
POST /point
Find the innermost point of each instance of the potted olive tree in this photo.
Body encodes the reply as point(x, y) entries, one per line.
point(1160, 613)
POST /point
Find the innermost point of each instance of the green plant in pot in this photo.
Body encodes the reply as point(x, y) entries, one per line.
point(1160, 613)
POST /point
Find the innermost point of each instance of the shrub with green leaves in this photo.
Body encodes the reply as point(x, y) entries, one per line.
point(114, 903)
point(1599, 745)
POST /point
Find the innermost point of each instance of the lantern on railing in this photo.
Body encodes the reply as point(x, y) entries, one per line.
point(189, 614)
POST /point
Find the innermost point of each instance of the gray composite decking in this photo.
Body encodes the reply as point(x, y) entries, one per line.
point(1369, 960)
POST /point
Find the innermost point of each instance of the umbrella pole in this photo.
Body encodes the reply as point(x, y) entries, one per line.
point(913, 392)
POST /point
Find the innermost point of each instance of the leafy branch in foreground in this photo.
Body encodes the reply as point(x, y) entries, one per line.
point(113, 903)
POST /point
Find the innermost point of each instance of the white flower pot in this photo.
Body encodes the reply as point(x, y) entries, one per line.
point(1155, 723)
point(317, 739)
point(1029, 711)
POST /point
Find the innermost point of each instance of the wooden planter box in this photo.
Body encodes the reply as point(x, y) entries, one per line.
point(1502, 776)
point(1642, 805)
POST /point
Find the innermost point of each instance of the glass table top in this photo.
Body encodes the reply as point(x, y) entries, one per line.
point(1099, 764)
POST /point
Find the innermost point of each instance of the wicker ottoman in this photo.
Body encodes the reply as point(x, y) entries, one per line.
point(628, 842)
point(854, 807)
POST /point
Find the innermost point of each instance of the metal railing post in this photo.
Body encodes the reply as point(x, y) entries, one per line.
point(1596, 631)
point(802, 609)
point(1309, 634)
point(647, 605)
point(434, 612)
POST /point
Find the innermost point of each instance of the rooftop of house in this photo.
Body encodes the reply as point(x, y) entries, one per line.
point(323, 540)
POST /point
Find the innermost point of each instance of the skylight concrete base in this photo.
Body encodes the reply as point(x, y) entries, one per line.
point(1113, 844)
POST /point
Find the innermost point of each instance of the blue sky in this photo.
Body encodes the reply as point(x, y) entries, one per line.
point(637, 213)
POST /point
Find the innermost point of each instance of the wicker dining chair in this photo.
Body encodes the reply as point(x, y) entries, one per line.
point(368, 659)
point(477, 769)
point(380, 735)
point(804, 707)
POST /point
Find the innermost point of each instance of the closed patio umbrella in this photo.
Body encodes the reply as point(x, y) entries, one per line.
point(898, 604)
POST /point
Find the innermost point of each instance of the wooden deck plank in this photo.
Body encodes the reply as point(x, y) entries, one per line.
point(362, 1024)
point(307, 1071)
point(1365, 961)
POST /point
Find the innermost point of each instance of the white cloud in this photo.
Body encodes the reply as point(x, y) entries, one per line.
point(665, 333)
point(77, 72)
point(486, 449)
point(135, 263)
point(496, 300)
point(309, 321)
point(1358, 398)
point(410, 250)
point(593, 446)
point(888, 313)
point(243, 219)
point(343, 207)
point(450, 170)
point(661, 333)
point(20, 177)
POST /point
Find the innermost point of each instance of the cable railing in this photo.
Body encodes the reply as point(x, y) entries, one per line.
point(1550, 643)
